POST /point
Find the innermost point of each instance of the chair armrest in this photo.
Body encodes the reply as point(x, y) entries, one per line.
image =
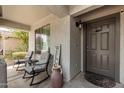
point(33, 69)
point(28, 62)
point(41, 64)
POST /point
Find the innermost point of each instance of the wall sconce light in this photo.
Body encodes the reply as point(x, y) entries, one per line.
point(122, 10)
point(79, 24)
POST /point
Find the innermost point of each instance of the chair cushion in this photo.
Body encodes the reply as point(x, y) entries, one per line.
point(39, 62)
point(37, 69)
point(43, 58)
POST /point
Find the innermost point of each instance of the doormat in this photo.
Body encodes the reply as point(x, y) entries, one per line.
point(100, 80)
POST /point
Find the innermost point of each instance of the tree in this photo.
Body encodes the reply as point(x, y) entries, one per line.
point(24, 37)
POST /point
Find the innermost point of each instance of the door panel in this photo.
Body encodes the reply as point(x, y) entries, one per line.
point(104, 41)
point(93, 41)
point(100, 47)
point(104, 61)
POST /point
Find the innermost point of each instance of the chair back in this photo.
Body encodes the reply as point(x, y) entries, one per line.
point(29, 55)
point(45, 56)
point(1, 51)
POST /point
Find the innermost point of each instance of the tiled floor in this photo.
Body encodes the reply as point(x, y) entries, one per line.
point(15, 81)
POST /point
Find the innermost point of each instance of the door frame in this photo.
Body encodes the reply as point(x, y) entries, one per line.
point(117, 42)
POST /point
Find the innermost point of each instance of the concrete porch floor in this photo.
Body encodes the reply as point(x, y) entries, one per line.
point(15, 81)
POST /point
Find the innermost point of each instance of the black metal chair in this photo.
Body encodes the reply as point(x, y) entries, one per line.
point(1, 51)
point(23, 61)
point(35, 69)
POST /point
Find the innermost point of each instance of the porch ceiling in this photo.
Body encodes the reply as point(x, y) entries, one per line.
point(26, 14)
point(30, 14)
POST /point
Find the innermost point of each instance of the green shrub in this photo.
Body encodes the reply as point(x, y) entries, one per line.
point(8, 54)
point(18, 55)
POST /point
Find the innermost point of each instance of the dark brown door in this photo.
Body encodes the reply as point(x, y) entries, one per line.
point(100, 47)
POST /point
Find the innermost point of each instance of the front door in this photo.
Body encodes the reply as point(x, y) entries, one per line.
point(100, 47)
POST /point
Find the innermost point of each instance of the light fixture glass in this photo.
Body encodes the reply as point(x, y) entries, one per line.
point(80, 26)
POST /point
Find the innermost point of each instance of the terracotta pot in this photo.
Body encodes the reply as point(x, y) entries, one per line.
point(56, 78)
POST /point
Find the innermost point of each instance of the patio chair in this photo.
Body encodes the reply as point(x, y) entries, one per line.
point(23, 61)
point(37, 68)
point(1, 51)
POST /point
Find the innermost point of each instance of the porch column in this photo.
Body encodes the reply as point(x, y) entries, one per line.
point(122, 47)
point(31, 40)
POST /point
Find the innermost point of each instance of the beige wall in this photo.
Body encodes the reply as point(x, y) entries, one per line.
point(47, 20)
point(64, 32)
point(10, 43)
point(59, 34)
point(122, 47)
point(75, 49)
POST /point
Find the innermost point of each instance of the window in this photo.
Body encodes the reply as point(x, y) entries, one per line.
point(42, 40)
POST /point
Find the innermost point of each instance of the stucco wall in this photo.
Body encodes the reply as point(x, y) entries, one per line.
point(122, 47)
point(10, 44)
point(75, 49)
point(59, 34)
point(47, 20)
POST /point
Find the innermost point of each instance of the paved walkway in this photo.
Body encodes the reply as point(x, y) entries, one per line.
point(15, 81)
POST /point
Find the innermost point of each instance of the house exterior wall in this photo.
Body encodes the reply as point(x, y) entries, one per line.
point(59, 34)
point(75, 49)
point(122, 47)
point(10, 44)
point(64, 31)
